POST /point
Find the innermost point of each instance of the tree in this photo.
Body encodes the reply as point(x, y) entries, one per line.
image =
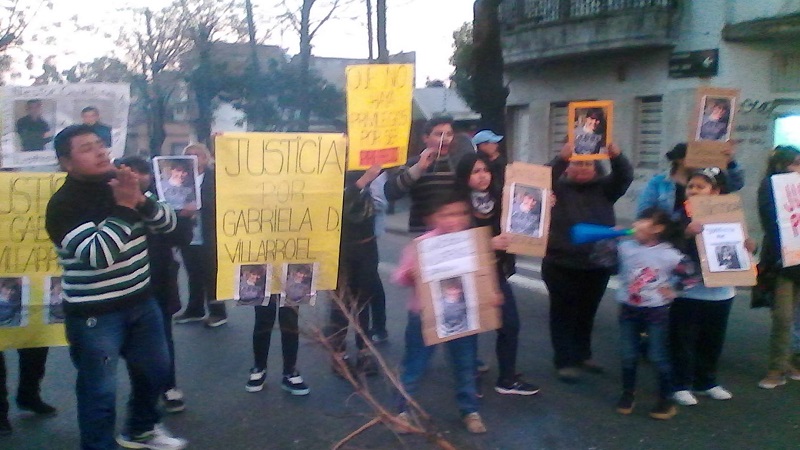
point(383, 50)
point(462, 76)
point(15, 20)
point(101, 70)
point(487, 66)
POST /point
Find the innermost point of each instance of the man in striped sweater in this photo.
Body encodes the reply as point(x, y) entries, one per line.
point(98, 222)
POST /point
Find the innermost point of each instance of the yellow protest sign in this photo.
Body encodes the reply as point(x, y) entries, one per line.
point(279, 204)
point(379, 114)
point(30, 285)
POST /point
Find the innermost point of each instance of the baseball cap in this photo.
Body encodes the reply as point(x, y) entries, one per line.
point(486, 136)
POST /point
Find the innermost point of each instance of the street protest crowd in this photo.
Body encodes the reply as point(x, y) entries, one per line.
point(115, 240)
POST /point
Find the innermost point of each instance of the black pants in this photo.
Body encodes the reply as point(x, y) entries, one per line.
point(262, 334)
point(575, 295)
point(507, 335)
point(364, 288)
point(201, 269)
point(32, 363)
point(697, 333)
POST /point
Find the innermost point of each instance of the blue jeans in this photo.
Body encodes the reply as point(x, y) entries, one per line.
point(463, 352)
point(633, 322)
point(96, 344)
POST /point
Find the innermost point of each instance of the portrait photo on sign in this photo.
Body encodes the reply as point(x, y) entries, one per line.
point(714, 118)
point(526, 206)
point(455, 305)
point(98, 113)
point(590, 127)
point(298, 284)
point(14, 301)
point(724, 246)
point(53, 301)
point(252, 284)
point(35, 124)
point(176, 181)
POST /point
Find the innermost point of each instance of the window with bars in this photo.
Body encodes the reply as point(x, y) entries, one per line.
point(648, 140)
point(557, 132)
point(785, 72)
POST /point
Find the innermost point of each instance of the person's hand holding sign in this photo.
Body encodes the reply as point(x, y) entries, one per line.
point(426, 159)
point(566, 151)
point(613, 150)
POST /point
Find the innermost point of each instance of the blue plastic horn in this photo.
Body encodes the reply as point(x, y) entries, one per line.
point(584, 233)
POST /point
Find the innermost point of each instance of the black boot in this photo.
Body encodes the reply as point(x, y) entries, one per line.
point(35, 405)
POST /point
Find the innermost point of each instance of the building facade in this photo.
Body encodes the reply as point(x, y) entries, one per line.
point(649, 56)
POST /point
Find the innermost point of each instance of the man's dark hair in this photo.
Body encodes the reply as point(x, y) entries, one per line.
point(435, 122)
point(302, 268)
point(136, 163)
point(34, 101)
point(596, 114)
point(63, 140)
point(90, 109)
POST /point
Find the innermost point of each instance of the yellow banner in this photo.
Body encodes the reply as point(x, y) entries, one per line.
point(279, 204)
point(379, 114)
point(30, 285)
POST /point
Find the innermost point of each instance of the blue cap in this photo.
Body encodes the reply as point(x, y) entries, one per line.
point(485, 136)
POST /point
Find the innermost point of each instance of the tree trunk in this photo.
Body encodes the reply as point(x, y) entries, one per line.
point(202, 83)
point(255, 119)
point(156, 120)
point(490, 90)
point(383, 50)
point(370, 37)
point(305, 62)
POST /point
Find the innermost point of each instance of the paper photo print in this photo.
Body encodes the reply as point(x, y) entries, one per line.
point(455, 306)
point(98, 113)
point(14, 301)
point(176, 181)
point(53, 301)
point(590, 128)
point(724, 245)
point(35, 124)
point(252, 284)
point(526, 206)
point(298, 284)
point(714, 118)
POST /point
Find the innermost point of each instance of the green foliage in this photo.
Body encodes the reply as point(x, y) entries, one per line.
point(462, 60)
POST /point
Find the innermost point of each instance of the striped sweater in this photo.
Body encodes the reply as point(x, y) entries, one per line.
point(103, 246)
point(422, 187)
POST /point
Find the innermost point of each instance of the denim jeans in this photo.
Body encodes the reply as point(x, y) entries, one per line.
point(787, 300)
point(507, 335)
point(96, 344)
point(463, 352)
point(633, 322)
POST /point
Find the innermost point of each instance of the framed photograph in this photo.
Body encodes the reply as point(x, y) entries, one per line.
point(526, 204)
point(714, 118)
point(590, 128)
point(14, 301)
point(455, 305)
point(53, 301)
point(252, 284)
point(298, 284)
point(725, 250)
point(176, 181)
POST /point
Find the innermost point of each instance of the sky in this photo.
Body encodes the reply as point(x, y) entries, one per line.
point(423, 26)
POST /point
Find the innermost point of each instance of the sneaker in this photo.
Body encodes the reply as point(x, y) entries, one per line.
point(5, 426)
point(379, 337)
point(517, 386)
point(793, 374)
point(482, 366)
point(626, 402)
point(590, 366)
point(773, 379)
point(716, 393)
point(256, 381)
point(186, 318)
point(158, 439)
point(173, 401)
point(36, 406)
point(215, 321)
point(366, 364)
point(341, 366)
point(665, 409)
point(474, 423)
point(684, 398)
point(568, 374)
point(293, 383)
point(402, 423)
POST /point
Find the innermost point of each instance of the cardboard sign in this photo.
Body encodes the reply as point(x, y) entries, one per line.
point(590, 127)
point(710, 127)
point(378, 114)
point(526, 208)
point(458, 286)
point(279, 203)
point(30, 283)
point(786, 191)
point(723, 259)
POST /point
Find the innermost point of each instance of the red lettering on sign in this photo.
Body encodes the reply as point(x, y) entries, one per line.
point(378, 156)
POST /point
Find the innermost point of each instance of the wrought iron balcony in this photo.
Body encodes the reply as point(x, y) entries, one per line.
point(538, 30)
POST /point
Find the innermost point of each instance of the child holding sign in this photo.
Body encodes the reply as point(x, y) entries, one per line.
point(699, 317)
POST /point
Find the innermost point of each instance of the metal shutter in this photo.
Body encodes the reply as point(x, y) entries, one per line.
point(558, 127)
point(649, 131)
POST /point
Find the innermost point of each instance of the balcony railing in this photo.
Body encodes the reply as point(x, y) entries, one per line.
point(549, 11)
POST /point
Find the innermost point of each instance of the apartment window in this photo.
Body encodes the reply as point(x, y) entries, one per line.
point(785, 72)
point(558, 127)
point(519, 134)
point(649, 131)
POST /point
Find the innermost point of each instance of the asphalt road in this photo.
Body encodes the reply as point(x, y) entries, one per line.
point(213, 367)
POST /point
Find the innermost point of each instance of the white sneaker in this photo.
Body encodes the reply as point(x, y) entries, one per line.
point(716, 392)
point(158, 439)
point(684, 398)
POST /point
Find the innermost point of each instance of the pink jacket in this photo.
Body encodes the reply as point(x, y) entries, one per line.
point(404, 274)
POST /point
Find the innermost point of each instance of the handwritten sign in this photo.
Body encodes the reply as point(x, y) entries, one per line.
point(526, 208)
point(710, 127)
point(379, 114)
point(279, 200)
point(31, 116)
point(28, 262)
point(786, 190)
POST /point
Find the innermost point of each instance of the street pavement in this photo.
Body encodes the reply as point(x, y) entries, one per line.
point(213, 366)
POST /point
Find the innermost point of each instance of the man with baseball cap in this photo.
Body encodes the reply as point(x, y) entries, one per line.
point(487, 142)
